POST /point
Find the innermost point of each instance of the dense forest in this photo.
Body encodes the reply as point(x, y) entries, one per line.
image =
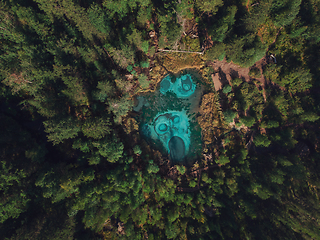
point(73, 162)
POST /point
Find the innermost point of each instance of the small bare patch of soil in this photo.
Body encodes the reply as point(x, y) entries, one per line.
point(228, 70)
point(216, 81)
point(225, 71)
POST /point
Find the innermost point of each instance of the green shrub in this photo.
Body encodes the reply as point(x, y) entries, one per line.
point(261, 141)
point(181, 169)
point(248, 121)
point(223, 160)
point(143, 81)
point(129, 68)
point(145, 46)
point(226, 89)
point(137, 150)
point(269, 124)
point(255, 72)
point(236, 82)
point(229, 115)
point(216, 52)
point(144, 64)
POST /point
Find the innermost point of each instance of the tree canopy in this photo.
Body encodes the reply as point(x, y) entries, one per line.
point(73, 164)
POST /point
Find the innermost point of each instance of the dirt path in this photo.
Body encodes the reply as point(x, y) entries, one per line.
point(247, 5)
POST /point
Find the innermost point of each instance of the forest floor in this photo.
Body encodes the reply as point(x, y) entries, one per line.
point(225, 71)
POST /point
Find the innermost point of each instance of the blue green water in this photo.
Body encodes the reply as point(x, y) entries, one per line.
point(183, 86)
point(168, 116)
point(172, 129)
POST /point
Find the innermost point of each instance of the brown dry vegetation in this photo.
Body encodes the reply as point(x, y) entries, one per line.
point(174, 62)
point(210, 118)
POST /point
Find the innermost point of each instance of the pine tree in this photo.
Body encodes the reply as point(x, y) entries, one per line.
point(208, 6)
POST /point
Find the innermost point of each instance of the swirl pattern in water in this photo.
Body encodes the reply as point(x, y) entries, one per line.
point(183, 87)
point(168, 116)
point(172, 129)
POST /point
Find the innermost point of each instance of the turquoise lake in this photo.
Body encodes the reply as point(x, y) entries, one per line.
point(168, 116)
